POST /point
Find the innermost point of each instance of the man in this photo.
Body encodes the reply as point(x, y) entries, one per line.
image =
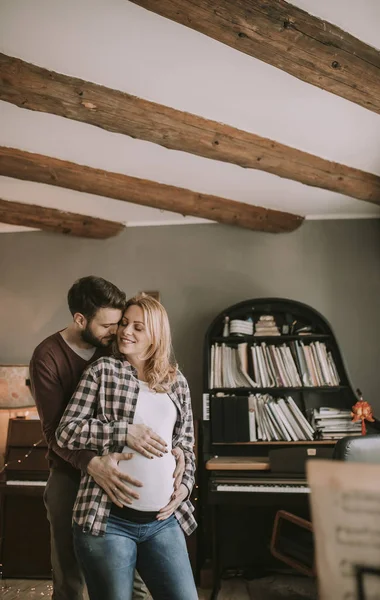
point(56, 367)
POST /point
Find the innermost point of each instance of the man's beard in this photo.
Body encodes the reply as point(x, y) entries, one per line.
point(88, 337)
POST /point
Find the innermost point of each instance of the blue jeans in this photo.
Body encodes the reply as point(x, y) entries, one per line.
point(157, 549)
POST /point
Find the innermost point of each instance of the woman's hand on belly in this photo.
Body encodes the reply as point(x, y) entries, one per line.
point(145, 441)
point(178, 496)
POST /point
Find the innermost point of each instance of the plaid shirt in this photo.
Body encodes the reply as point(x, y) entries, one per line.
point(97, 418)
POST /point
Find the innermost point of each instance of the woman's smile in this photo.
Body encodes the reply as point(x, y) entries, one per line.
point(125, 340)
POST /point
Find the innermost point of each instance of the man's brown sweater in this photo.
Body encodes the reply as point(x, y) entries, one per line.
point(55, 371)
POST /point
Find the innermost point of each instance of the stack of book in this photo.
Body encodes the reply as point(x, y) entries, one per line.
point(266, 325)
point(274, 366)
point(334, 423)
point(315, 363)
point(277, 419)
point(258, 417)
point(294, 364)
point(229, 367)
point(240, 327)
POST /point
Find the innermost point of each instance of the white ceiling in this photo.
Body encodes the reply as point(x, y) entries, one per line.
point(122, 46)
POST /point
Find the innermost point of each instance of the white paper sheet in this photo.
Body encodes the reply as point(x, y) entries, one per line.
point(345, 503)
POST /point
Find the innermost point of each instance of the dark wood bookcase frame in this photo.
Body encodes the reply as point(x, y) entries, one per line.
point(285, 312)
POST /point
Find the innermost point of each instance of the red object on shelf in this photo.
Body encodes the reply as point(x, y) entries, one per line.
point(362, 410)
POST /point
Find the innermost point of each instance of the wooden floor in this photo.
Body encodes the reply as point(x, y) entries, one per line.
point(267, 588)
point(29, 589)
point(25, 589)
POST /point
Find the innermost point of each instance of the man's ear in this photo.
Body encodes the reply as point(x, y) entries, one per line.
point(80, 320)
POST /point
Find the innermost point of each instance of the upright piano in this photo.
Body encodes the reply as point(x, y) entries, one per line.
point(24, 529)
point(243, 496)
point(244, 481)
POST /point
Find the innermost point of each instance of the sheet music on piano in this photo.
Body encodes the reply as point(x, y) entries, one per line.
point(345, 503)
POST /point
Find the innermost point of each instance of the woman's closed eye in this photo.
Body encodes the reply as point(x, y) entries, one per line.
point(137, 327)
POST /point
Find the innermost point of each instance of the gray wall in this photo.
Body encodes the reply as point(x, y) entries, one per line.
point(200, 270)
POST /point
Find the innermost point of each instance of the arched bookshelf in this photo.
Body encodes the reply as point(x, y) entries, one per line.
point(299, 326)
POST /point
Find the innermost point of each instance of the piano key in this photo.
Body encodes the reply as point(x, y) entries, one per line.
point(24, 482)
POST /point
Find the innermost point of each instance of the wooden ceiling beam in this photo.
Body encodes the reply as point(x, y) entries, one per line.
point(57, 221)
point(34, 88)
point(52, 171)
point(288, 38)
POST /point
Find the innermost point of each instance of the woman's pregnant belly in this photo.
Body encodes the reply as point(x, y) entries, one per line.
point(156, 475)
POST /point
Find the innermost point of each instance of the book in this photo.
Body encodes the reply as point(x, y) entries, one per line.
point(308, 429)
point(296, 428)
point(310, 365)
point(217, 419)
point(317, 367)
point(242, 419)
point(262, 367)
point(252, 419)
point(212, 367)
point(305, 377)
point(277, 434)
point(271, 362)
point(258, 419)
point(278, 418)
point(242, 352)
point(230, 419)
point(264, 430)
point(293, 367)
point(268, 366)
point(322, 356)
point(285, 422)
point(280, 367)
point(255, 364)
point(271, 434)
point(324, 412)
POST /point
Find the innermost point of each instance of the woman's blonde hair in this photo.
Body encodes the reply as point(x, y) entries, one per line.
point(160, 367)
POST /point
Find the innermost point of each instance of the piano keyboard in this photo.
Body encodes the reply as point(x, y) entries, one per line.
point(206, 407)
point(264, 486)
point(24, 482)
point(271, 489)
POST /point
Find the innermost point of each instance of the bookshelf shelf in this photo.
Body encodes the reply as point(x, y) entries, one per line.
point(317, 359)
point(260, 443)
point(236, 339)
point(251, 390)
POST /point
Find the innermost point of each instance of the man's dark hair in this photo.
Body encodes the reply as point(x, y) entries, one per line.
point(88, 294)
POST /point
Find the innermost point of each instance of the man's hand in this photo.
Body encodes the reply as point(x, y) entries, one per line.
point(145, 441)
point(105, 471)
point(179, 468)
point(175, 500)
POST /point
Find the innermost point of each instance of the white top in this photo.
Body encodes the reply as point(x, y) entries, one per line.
point(157, 411)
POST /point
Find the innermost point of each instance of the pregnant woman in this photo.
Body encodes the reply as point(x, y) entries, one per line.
point(135, 401)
